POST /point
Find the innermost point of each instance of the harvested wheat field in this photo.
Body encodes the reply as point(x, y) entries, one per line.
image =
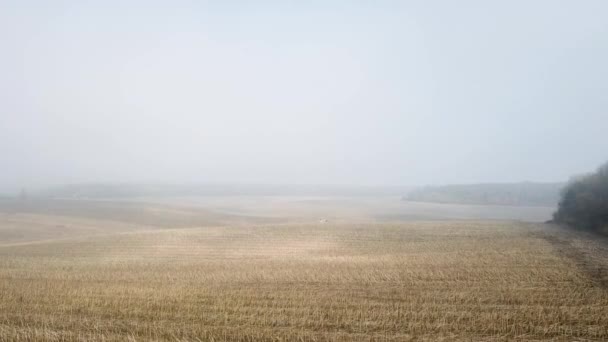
point(442, 280)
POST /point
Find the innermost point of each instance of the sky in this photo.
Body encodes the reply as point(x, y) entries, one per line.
point(314, 92)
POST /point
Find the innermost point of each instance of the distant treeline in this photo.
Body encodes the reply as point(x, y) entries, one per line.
point(584, 202)
point(524, 194)
point(126, 190)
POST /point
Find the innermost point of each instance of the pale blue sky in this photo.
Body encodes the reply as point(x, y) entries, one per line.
point(410, 92)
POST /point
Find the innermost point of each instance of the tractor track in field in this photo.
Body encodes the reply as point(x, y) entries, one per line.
point(593, 262)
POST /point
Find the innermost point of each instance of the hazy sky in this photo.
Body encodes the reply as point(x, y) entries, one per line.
point(356, 92)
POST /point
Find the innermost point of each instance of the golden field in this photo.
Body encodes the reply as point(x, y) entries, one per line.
point(68, 278)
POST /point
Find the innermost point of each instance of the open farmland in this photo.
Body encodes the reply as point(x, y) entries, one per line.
point(279, 279)
point(303, 171)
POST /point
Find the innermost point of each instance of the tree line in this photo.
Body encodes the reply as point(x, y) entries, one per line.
point(584, 202)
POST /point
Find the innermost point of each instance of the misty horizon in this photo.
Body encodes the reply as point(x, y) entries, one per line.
point(385, 95)
point(303, 171)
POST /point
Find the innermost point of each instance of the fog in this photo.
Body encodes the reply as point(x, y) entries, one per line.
point(369, 93)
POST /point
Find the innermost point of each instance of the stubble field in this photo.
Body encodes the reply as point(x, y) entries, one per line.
point(298, 281)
